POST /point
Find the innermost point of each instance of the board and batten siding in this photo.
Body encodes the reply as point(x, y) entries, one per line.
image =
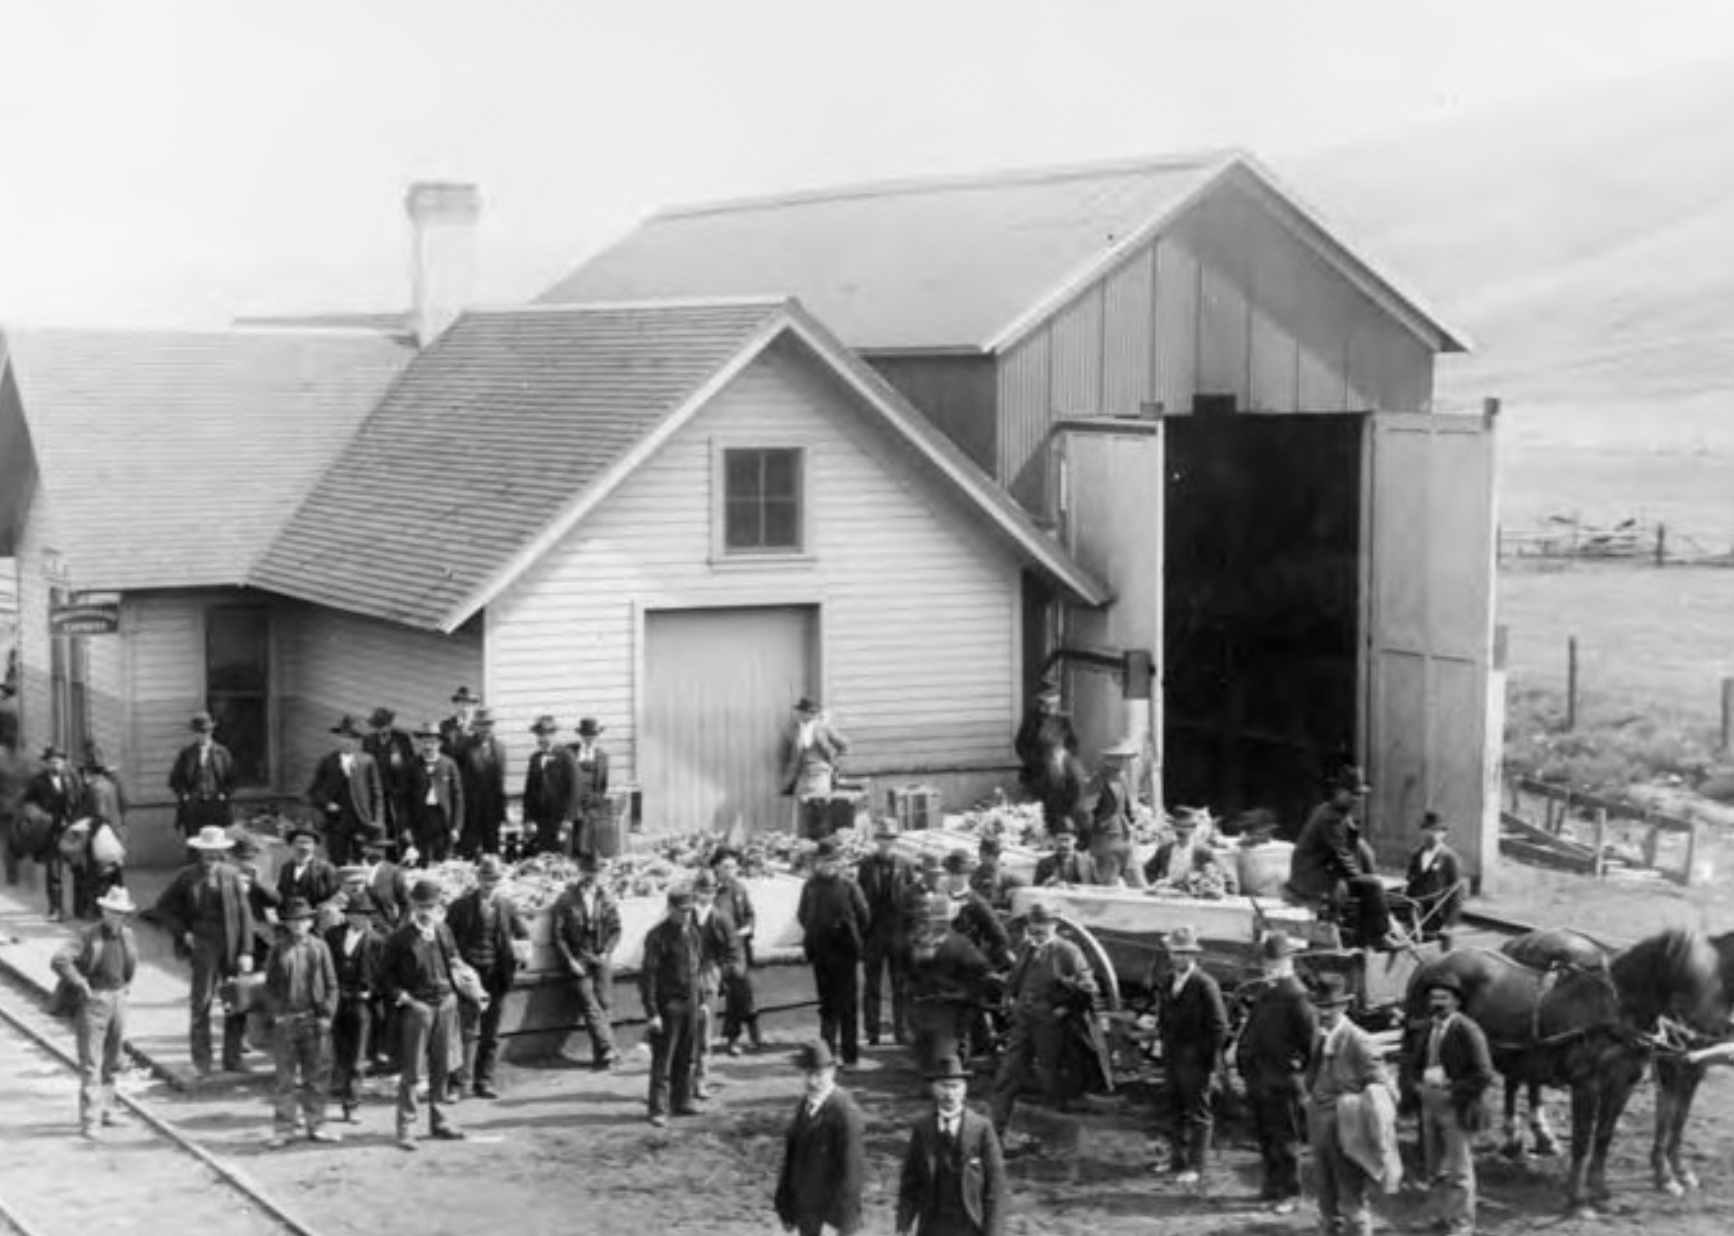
point(1226, 301)
point(918, 610)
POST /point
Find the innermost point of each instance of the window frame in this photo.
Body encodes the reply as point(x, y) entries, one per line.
point(722, 552)
point(266, 695)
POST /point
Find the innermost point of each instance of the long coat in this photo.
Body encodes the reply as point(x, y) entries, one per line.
point(1193, 1022)
point(550, 786)
point(178, 908)
point(1437, 887)
point(482, 764)
point(360, 794)
point(981, 1183)
point(833, 918)
point(824, 1164)
point(1276, 1043)
point(1468, 1065)
point(393, 751)
point(1327, 852)
point(448, 788)
point(358, 973)
point(885, 884)
point(60, 805)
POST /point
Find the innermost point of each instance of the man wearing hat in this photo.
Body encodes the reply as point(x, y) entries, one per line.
point(1047, 751)
point(1434, 881)
point(1110, 849)
point(1061, 865)
point(669, 982)
point(735, 903)
point(301, 993)
point(812, 752)
point(720, 948)
point(824, 1152)
point(57, 792)
point(885, 878)
point(975, 919)
point(1186, 863)
point(1194, 1027)
point(392, 751)
point(550, 784)
point(207, 911)
point(834, 921)
point(436, 792)
point(481, 763)
point(1331, 864)
point(96, 967)
point(456, 730)
point(347, 790)
point(105, 805)
point(1050, 986)
point(1274, 1049)
point(953, 1181)
point(385, 881)
point(586, 931)
point(303, 872)
point(1455, 1069)
point(990, 880)
point(948, 983)
point(416, 972)
point(491, 935)
point(1345, 1062)
point(595, 828)
point(203, 780)
point(357, 951)
point(263, 900)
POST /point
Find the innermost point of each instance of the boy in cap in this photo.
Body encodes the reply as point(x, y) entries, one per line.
point(824, 1153)
point(1455, 1067)
point(670, 984)
point(1346, 1062)
point(207, 911)
point(833, 918)
point(416, 972)
point(202, 779)
point(586, 931)
point(953, 1181)
point(357, 951)
point(490, 935)
point(1194, 1026)
point(301, 993)
point(1275, 1047)
point(96, 967)
point(1435, 881)
point(740, 1009)
point(885, 878)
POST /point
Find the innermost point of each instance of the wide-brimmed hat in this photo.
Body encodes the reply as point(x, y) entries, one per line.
point(590, 862)
point(1433, 822)
point(991, 845)
point(301, 829)
point(118, 900)
point(202, 723)
point(491, 867)
point(362, 902)
point(813, 1055)
point(588, 727)
point(1183, 939)
point(960, 862)
point(545, 724)
point(426, 892)
point(948, 1068)
point(1444, 980)
point(346, 725)
point(1351, 778)
point(1331, 991)
point(1277, 945)
point(428, 729)
point(1125, 749)
point(246, 846)
point(211, 837)
point(463, 695)
point(297, 907)
point(381, 718)
point(807, 705)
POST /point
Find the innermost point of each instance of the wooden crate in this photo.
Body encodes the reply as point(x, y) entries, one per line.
point(916, 807)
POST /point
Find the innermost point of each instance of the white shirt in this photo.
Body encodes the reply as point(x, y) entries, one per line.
point(816, 1101)
point(351, 941)
point(1429, 856)
point(1180, 979)
point(804, 733)
point(949, 1125)
point(347, 761)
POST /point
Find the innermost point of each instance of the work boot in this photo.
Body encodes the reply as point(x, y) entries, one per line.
point(753, 1035)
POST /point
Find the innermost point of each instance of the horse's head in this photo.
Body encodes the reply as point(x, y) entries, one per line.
point(1677, 974)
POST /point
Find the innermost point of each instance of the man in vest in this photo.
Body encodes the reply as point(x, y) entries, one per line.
point(1345, 1061)
point(357, 949)
point(436, 798)
point(953, 1181)
point(203, 779)
point(1050, 984)
point(586, 931)
point(392, 751)
point(97, 967)
point(812, 751)
point(824, 1153)
point(416, 972)
point(492, 937)
point(1455, 1068)
point(207, 911)
point(303, 873)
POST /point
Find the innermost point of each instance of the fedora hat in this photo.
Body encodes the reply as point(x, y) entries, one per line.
point(1039, 913)
point(297, 907)
point(52, 752)
point(680, 897)
point(202, 723)
point(352, 871)
point(381, 718)
point(427, 729)
point(1184, 939)
point(491, 867)
point(463, 695)
point(1332, 991)
point(1433, 822)
point(1125, 749)
point(118, 900)
point(948, 1068)
point(300, 828)
point(813, 1055)
point(1351, 778)
point(589, 728)
point(212, 837)
point(1277, 945)
point(545, 724)
point(826, 851)
point(346, 725)
point(427, 892)
point(704, 881)
point(807, 705)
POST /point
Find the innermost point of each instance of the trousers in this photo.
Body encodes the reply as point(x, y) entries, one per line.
point(883, 958)
point(426, 1033)
point(1276, 1103)
point(1032, 1050)
point(301, 1050)
point(100, 1025)
point(1189, 1107)
point(595, 989)
point(673, 1054)
point(351, 1039)
point(1450, 1165)
point(1341, 1183)
point(837, 979)
point(481, 1035)
point(209, 970)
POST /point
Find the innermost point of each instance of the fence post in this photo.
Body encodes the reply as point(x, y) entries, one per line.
point(1601, 841)
point(1727, 735)
point(1571, 682)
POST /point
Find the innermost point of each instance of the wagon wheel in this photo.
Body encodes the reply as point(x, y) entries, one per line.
point(1107, 982)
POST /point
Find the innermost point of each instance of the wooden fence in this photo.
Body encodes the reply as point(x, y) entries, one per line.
point(1575, 831)
point(1638, 542)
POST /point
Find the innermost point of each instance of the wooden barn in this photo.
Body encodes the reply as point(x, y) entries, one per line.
point(1221, 409)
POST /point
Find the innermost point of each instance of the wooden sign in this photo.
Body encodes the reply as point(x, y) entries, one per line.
point(84, 618)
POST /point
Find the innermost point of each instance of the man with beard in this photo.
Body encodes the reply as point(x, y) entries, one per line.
point(885, 878)
point(392, 751)
point(56, 792)
point(1061, 866)
point(833, 918)
point(482, 764)
point(1050, 985)
point(1455, 1068)
point(436, 798)
point(490, 935)
point(206, 910)
point(303, 873)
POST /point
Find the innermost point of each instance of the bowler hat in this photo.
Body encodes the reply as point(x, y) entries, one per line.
point(545, 724)
point(297, 907)
point(361, 902)
point(52, 752)
point(351, 871)
point(704, 881)
point(991, 845)
point(1351, 778)
point(588, 728)
point(202, 723)
point(246, 847)
point(590, 862)
point(346, 725)
point(1445, 981)
point(813, 1055)
point(426, 892)
point(948, 1068)
point(1184, 939)
point(1277, 945)
point(1433, 822)
point(118, 900)
point(211, 837)
point(381, 718)
point(1039, 913)
point(484, 716)
point(958, 862)
point(680, 897)
point(1332, 990)
point(826, 850)
point(723, 852)
point(463, 695)
point(299, 829)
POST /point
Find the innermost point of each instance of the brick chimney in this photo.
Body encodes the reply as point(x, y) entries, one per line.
point(443, 215)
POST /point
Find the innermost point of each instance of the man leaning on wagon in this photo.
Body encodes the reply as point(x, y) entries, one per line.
point(586, 932)
point(490, 934)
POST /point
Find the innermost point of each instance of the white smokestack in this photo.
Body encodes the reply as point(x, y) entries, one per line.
point(443, 215)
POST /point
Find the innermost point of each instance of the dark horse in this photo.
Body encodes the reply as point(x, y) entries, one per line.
point(1592, 1030)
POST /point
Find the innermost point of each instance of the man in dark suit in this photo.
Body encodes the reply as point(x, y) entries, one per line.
point(586, 931)
point(1455, 1068)
point(1331, 863)
point(594, 827)
point(740, 1006)
point(948, 981)
point(1435, 881)
point(482, 763)
point(1050, 987)
point(393, 751)
point(206, 910)
point(56, 792)
point(668, 980)
point(1185, 862)
point(436, 792)
point(1274, 1049)
point(1110, 842)
point(203, 780)
point(885, 878)
point(416, 973)
point(833, 918)
point(1061, 866)
point(990, 879)
point(385, 882)
point(490, 935)
point(357, 951)
point(953, 1181)
point(824, 1153)
point(347, 790)
point(1194, 1026)
point(550, 783)
point(303, 873)
point(456, 730)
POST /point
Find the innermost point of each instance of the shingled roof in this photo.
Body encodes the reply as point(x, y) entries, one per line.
point(172, 458)
point(964, 263)
point(497, 439)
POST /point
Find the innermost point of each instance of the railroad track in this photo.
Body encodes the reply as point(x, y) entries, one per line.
point(146, 1176)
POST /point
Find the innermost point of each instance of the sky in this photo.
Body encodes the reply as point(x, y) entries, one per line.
point(182, 162)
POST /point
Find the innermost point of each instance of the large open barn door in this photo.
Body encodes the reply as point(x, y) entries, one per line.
point(1428, 738)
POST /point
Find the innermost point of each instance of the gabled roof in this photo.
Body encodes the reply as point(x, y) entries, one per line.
point(946, 264)
point(499, 438)
point(172, 458)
